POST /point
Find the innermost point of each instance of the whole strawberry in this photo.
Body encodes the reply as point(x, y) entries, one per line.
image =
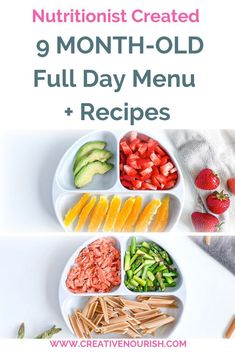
point(205, 222)
point(231, 185)
point(207, 180)
point(218, 202)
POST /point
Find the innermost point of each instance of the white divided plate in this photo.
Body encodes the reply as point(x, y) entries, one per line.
point(65, 194)
point(69, 301)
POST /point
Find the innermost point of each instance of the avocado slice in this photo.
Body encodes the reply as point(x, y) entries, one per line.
point(87, 148)
point(94, 155)
point(86, 173)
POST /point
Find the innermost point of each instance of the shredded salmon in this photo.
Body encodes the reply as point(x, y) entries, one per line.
point(96, 269)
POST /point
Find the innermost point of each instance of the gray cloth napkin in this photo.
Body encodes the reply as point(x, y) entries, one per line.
point(213, 149)
point(222, 248)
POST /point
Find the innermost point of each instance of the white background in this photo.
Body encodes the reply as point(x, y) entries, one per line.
point(30, 269)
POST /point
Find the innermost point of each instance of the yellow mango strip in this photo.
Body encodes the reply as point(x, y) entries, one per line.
point(146, 215)
point(98, 214)
point(112, 214)
point(124, 214)
point(85, 213)
point(73, 212)
point(131, 221)
point(161, 221)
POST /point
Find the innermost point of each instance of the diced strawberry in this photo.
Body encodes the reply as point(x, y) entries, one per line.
point(151, 146)
point(165, 169)
point(126, 177)
point(134, 144)
point(146, 171)
point(155, 182)
point(155, 171)
point(172, 176)
point(145, 177)
point(132, 158)
point(161, 178)
point(164, 160)
point(144, 163)
point(129, 170)
point(122, 157)
point(126, 149)
point(132, 136)
point(155, 159)
point(170, 184)
point(160, 151)
point(127, 184)
point(148, 186)
point(142, 148)
point(133, 163)
point(137, 184)
point(173, 170)
point(143, 137)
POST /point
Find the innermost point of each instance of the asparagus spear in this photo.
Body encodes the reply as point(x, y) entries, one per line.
point(160, 281)
point(46, 334)
point(49, 333)
point(133, 246)
point(21, 331)
point(148, 267)
point(127, 261)
point(139, 280)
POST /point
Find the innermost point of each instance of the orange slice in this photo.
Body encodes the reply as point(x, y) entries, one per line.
point(98, 214)
point(131, 221)
point(161, 221)
point(112, 214)
point(85, 213)
point(146, 215)
point(124, 214)
point(73, 212)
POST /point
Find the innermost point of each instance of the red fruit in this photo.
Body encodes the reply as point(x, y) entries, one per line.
point(126, 149)
point(205, 222)
point(155, 159)
point(155, 182)
point(134, 144)
point(129, 170)
point(165, 169)
point(144, 165)
point(207, 180)
point(218, 202)
point(160, 151)
point(143, 148)
point(231, 185)
point(127, 184)
point(136, 184)
point(146, 171)
point(151, 146)
point(145, 177)
point(133, 136)
point(148, 186)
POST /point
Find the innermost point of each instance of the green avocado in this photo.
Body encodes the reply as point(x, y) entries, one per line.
point(95, 155)
point(87, 148)
point(86, 173)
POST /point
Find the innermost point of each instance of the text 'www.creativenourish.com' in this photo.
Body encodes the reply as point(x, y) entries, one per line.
point(110, 343)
